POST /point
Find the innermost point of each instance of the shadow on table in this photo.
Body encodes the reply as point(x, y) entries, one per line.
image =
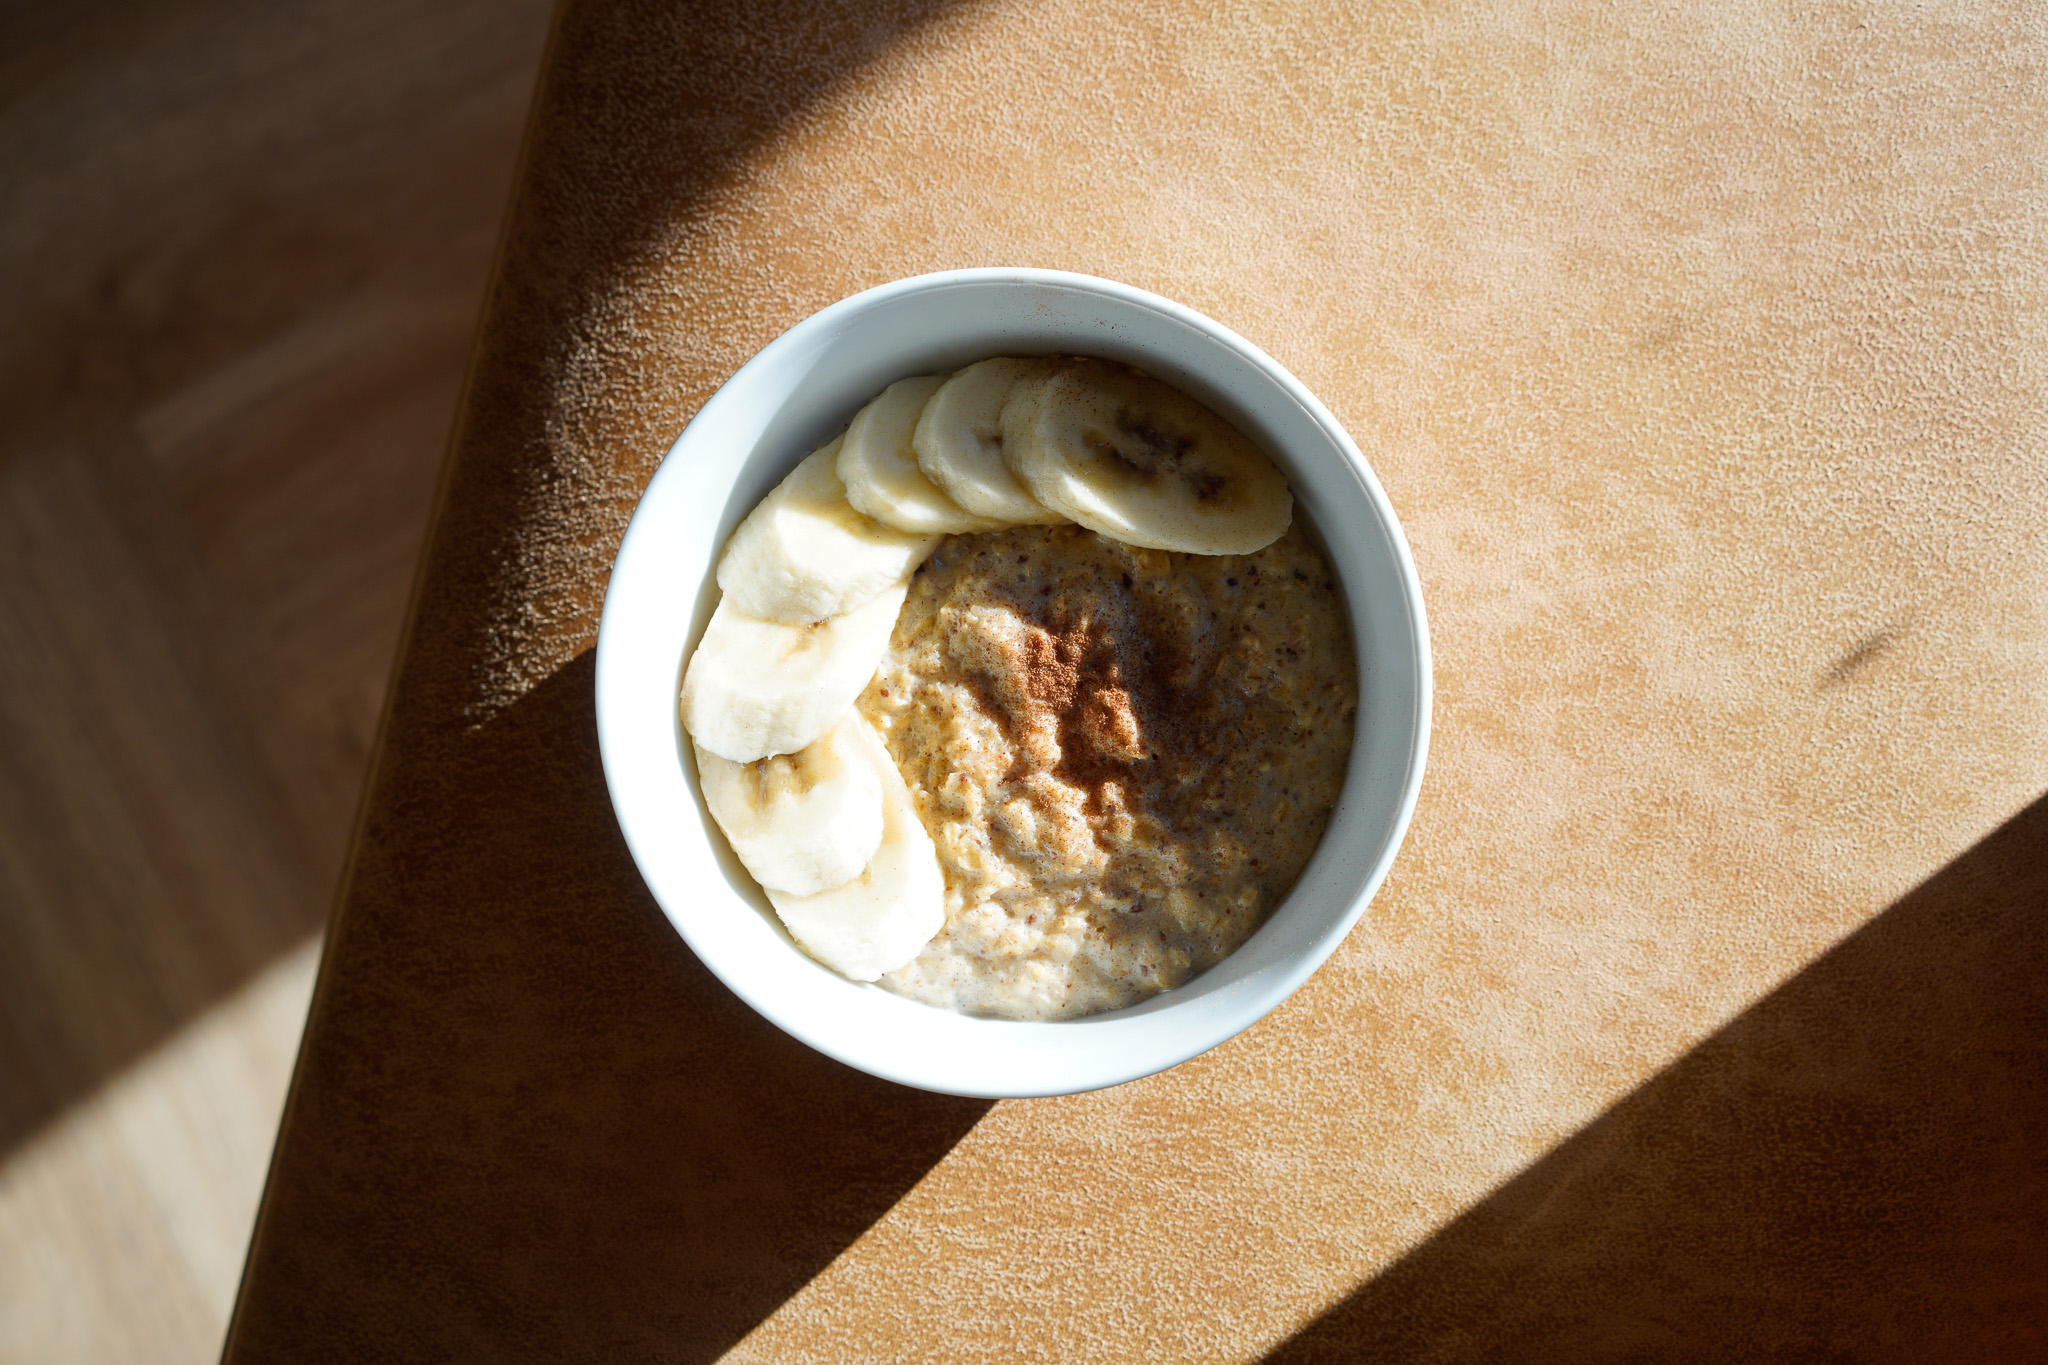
point(244, 249)
point(1856, 1168)
point(528, 1122)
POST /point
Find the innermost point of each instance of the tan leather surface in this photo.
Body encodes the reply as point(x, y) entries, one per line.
point(1704, 1014)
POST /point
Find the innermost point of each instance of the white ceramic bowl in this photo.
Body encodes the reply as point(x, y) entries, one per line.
point(799, 391)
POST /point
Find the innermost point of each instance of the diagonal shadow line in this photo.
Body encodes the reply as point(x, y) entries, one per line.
point(527, 1121)
point(170, 748)
point(648, 109)
point(1856, 1168)
point(644, 111)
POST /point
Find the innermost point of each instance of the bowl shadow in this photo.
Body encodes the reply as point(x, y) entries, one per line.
point(526, 1117)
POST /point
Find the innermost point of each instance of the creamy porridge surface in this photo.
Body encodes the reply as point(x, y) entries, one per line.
point(1124, 756)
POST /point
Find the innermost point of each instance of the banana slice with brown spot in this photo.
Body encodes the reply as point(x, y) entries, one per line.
point(884, 917)
point(803, 822)
point(1138, 460)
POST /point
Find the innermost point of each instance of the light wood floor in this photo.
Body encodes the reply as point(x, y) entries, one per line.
point(242, 249)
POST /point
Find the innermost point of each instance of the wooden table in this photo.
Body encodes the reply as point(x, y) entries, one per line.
point(1705, 1014)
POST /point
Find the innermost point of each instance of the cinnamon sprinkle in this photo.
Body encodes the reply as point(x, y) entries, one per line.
point(1124, 757)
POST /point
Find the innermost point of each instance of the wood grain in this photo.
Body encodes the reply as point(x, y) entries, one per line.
point(242, 256)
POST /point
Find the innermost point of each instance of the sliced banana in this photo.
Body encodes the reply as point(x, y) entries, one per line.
point(804, 552)
point(879, 466)
point(1141, 462)
point(959, 442)
point(803, 822)
point(880, 920)
point(755, 688)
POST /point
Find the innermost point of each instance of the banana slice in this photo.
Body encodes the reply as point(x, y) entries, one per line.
point(882, 919)
point(755, 688)
point(1141, 462)
point(803, 822)
point(880, 469)
point(959, 442)
point(804, 553)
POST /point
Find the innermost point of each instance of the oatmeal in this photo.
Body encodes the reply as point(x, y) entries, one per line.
point(1124, 756)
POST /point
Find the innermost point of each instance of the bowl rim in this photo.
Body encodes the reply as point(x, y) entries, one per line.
point(1274, 986)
